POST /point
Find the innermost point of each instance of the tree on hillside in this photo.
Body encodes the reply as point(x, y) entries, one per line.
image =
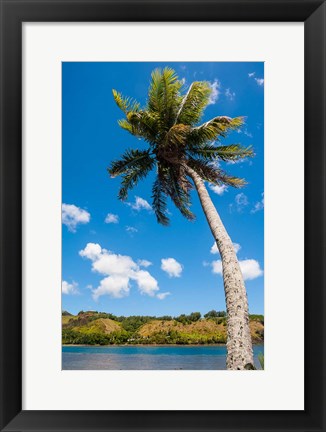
point(214, 314)
point(195, 316)
point(185, 155)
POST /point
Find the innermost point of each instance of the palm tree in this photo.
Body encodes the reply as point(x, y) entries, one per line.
point(186, 155)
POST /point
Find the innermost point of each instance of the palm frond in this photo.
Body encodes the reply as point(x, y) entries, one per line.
point(144, 124)
point(231, 152)
point(228, 180)
point(129, 160)
point(204, 169)
point(212, 174)
point(163, 95)
point(194, 102)
point(131, 177)
point(179, 195)
point(159, 201)
point(126, 104)
point(124, 124)
point(213, 129)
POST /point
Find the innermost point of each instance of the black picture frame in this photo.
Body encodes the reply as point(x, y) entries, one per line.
point(16, 12)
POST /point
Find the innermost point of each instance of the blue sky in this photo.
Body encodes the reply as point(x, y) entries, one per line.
point(115, 256)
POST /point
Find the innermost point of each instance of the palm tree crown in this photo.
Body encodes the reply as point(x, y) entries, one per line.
point(177, 143)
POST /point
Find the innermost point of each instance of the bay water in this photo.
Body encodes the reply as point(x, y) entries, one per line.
point(180, 357)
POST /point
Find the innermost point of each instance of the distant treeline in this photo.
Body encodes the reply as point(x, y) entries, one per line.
point(134, 322)
point(138, 320)
point(87, 328)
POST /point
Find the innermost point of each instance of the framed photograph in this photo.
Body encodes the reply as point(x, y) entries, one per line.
point(162, 215)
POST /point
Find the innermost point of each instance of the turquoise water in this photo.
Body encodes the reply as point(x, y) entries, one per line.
point(212, 357)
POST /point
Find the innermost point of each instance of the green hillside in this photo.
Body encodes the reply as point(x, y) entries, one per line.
point(98, 328)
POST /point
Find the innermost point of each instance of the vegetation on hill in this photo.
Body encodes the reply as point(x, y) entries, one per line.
point(100, 328)
point(65, 313)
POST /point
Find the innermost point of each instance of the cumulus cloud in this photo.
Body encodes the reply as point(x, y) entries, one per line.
point(120, 271)
point(111, 218)
point(73, 216)
point(144, 263)
point(69, 288)
point(215, 251)
point(219, 190)
point(217, 267)
point(259, 81)
point(229, 94)
point(162, 296)
point(116, 286)
point(147, 284)
point(171, 266)
point(140, 204)
point(259, 205)
point(250, 268)
point(251, 74)
point(92, 251)
point(215, 86)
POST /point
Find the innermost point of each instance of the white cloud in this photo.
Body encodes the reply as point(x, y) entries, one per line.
point(162, 296)
point(241, 201)
point(111, 218)
point(119, 270)
point(217, 267)
point(69, 288)
point(131, 229)
point(245, 132)
point(147, 284)
point(144, 263)
point(259, 81)
point(116, 286)
point(215, 86)
point(73, 215)
point(92, 251)
point(259, 205)
point(111, 264)
point(215, 251)
point(171, 266)
point(219, 190)
point(237, 247)
point(229, 94)
point(250, 268)
point(140, 204)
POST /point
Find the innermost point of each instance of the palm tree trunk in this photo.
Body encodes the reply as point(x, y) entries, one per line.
point(239, 345)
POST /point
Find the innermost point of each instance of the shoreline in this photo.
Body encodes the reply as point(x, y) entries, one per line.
point(149, 345)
